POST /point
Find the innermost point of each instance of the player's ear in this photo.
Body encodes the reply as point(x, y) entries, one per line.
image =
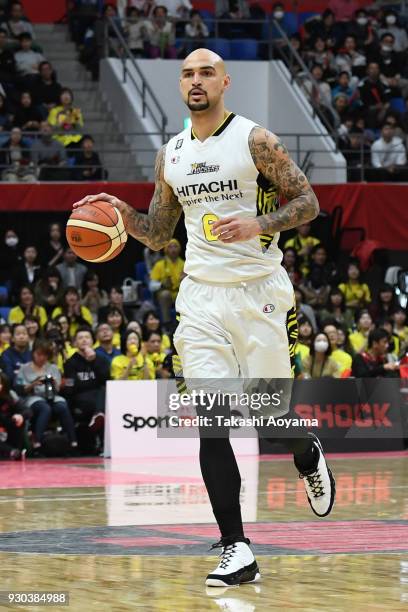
point(227, 81)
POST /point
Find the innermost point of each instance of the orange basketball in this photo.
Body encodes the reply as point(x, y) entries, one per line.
point(96, 232)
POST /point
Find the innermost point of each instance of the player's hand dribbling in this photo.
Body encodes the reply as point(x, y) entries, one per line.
point(235, 229)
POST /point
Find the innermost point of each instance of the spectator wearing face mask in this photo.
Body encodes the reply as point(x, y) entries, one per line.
point(364, 33)
point(319, 363)
point(391, 64)
point(389, 23)
point(10, 255)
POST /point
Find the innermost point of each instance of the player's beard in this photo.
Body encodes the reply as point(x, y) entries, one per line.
point(198, 106)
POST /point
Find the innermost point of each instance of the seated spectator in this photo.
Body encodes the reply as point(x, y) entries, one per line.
point(357, 154)
point(48, 290)
point(27, 116)
point(77, 315)
point(45, 89)
point(5, 337)
point(34, 331)
point(316, 286)
point(343, 360)
point(341, 107)
point(133, 363)
point(15, 159)
point(290, 262)
point(391, 65)
point(53, 251)
point(27, 60)
point(304, 309)
point(359, 338)
point(5, 116)
point(93, 297)
point(62, 324)
point(88, 165)
point(356, 294)
point(71, 270)
point(58, 354)
point(399, 317)
point(196, 29)
point(27, 306)
point(167, 274)
point(66, 117)
point(86, 374)
point(350, 60)
point(115, 300)
point(8, 70)
point(372, 362)
point(11, 421)
point(393, 119)
point(28, 271)
point(319, 363)
point(303, 242)
point(394, 346)
point(10, 255)
point(17, 23)
point(343, 341)
point(389, 24)
point(114, 318)
point(374, 96)
point(18, 353)
point(160, 34)
point(321, 55)
point(384, 304)
point(327, 28)
point(152, 323)
point(343, 86)
point(135, 30)
point(104, 341)
point(39, 382)
point(362, 30)
point(305, 337)
point(152, 342)
point(135, 326)
point(318, 90)
point(335, 309)
point(49, 156)
point(388, 156)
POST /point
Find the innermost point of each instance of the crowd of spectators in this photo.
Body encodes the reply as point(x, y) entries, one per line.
point(64, 336)
point(42, 131)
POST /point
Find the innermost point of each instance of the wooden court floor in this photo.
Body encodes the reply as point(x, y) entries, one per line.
point(128, 535)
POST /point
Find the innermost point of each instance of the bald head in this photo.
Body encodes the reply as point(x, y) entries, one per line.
point(203, 80)
point(205, 57)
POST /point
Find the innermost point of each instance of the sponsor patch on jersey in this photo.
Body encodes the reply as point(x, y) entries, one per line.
point(175, 159)
point(179, 143)
point(268, 308)
point(202, 168)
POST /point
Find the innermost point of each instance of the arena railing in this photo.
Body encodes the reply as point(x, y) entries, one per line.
point(304, 154)
point(150, 103)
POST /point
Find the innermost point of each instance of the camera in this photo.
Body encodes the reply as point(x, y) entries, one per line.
point(49, 392)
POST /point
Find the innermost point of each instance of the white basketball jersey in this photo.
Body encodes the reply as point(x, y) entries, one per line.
point(215, 179)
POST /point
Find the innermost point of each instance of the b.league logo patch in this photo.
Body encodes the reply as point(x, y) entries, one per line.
point(268, 308)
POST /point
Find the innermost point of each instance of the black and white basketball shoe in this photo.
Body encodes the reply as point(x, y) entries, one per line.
point(237, 564)
point(319, 482)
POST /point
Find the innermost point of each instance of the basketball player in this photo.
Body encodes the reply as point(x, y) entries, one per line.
point(236, 303)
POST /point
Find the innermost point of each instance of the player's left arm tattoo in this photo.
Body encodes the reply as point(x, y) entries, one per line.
point(272, 159)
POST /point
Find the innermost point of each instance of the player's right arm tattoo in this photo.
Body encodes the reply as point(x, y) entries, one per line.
point(157, 227)
point(272, 159)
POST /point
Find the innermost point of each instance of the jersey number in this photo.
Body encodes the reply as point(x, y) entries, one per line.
point(208, 220)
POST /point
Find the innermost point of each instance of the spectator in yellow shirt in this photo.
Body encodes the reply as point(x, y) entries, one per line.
point(152, 342)
point(76, 314)
point(5, 337)
point(359, 339)
point(400, 328)
point(166, 277)
point(320, 363)
point(305, 337)
point(342, 359)
point(67, 118)
point(134, 362)
point(26, 307)
point(356, 294)
point(303, 243)
point(151, 322)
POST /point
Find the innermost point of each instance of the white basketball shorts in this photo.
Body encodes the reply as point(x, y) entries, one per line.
point(245, 330)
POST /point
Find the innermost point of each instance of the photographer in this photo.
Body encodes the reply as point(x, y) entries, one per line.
point(38, 382)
